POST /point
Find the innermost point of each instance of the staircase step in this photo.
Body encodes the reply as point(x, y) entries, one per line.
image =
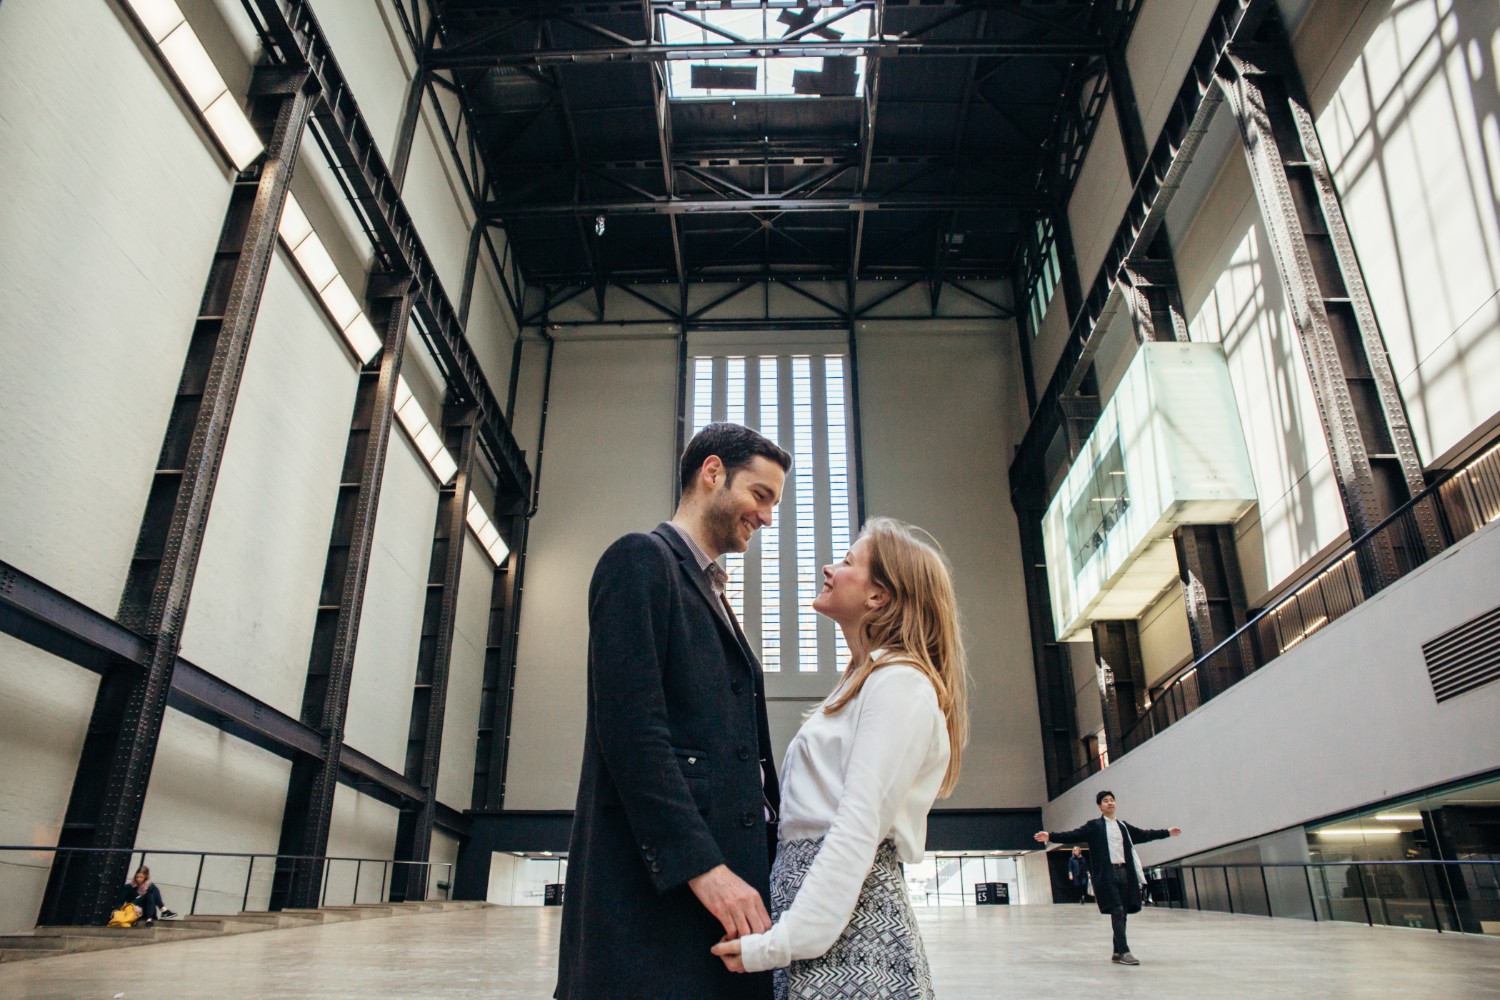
point(363, 912)
point(229, 924)
point(161, 932)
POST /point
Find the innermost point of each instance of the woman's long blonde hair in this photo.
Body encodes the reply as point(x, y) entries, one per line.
point(918, 626)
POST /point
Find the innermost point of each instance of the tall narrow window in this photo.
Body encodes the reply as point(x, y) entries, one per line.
point(769, 538)
point(801, 402)
point(734, 411)
point(841, 513)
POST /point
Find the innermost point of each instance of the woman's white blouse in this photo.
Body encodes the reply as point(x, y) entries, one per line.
point(867, 773)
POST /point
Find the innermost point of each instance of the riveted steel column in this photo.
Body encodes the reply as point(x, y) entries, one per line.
point(500, 668)
point(1122, 677)
point(1213, 593)
point(308, 815)
point(114, 768)
point(1061, 752)
point(1153, 296)
point(424, 742)
point(1374, 458)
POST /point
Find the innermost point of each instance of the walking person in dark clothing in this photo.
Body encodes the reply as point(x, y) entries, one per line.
point(1078, 874)
point(1113, 865)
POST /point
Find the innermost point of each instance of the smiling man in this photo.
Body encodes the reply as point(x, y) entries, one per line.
point(673, 831)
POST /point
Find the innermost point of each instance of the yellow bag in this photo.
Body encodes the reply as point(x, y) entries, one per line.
point(125, 916)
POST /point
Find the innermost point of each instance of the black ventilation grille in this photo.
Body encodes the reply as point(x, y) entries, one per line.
point(1466, 657)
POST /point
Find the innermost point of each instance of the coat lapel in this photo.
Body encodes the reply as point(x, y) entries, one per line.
point(695, 575)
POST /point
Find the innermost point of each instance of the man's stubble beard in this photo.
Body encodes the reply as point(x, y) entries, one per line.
point(722, 523)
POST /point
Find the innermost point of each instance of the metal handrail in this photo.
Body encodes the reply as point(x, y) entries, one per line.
point(1148, 725)
point(1453, 902)
point(327, 860)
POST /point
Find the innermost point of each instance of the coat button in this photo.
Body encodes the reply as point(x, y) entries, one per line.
point(748, 819)
point(646, 845)
point(737, 687)
point(651, 854)
point(744, 753)
point(656, 867)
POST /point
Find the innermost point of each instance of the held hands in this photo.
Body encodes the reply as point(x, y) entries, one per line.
point(732, 901)
point(729, 951)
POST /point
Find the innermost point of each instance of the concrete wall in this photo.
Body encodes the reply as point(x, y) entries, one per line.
point(608, 471)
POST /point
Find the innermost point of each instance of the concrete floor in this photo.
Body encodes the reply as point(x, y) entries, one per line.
point(1018, 951)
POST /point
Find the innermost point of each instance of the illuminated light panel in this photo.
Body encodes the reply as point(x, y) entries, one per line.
point(159, 17)
point(1399, 817)
point(194, 69)
point(488, 535)
point(1363, 832)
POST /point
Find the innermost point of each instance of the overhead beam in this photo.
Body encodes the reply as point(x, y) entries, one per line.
point(658, 52)
point(730, 206)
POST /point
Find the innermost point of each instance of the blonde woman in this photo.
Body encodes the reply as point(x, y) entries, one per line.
point(860, 776)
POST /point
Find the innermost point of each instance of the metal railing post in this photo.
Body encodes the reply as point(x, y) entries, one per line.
point(1228, 892)
point(1437, 922)
point(197, 882)
point(1312, 900)
point(249, 872)
point(1270, 910)
point(1197, 896)
point(1364, 894)
point(358, 864)
point(327, 878)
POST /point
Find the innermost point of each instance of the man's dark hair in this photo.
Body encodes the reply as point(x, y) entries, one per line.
point(1100, 797)
point(736, 447)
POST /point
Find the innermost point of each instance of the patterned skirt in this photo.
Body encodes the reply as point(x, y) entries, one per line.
point(878, 957)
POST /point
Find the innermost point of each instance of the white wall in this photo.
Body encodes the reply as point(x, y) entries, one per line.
point(608, 471)
point(1344, 719)
point(937, 425)
point(256, 592)
point(362, 827)
point(210, 791)
point(114, 203)
point(465, 677)
point(390, 625)
point(44, 712)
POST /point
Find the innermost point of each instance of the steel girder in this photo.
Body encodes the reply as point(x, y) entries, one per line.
point(424, 743)
point(1197, 100)
point(1370, 444)
point(115, 765)
point(308, 815)
point(1122, 677)
point(292, 35)
point(1213, 594)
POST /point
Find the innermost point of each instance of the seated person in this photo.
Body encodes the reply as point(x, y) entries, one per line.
point(143, 894)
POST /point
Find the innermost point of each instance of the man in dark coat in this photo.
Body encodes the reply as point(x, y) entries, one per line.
point(674, 827)
point(1078, 874)
point(1113, 865)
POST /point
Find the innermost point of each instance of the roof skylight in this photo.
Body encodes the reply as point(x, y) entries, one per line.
point(821, 73)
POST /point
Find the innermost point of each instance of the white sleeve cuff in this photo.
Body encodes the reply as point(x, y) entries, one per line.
point(761, 952)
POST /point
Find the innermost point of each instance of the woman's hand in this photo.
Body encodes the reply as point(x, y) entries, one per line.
point(729, 951)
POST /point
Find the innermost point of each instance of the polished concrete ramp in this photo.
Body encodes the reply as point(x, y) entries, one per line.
point(1018, 951)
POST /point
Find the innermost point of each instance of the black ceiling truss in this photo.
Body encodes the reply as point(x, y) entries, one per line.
point(969, 123)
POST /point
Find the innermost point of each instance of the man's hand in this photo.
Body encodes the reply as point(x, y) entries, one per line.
point(729, 951)
point(731, 899)
point(1040, 837)
point(1176, 831)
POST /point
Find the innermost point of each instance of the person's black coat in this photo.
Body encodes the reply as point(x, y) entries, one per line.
point(1078, 870)
point(673, 753)
point(149, 900)
point(1094, 835)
